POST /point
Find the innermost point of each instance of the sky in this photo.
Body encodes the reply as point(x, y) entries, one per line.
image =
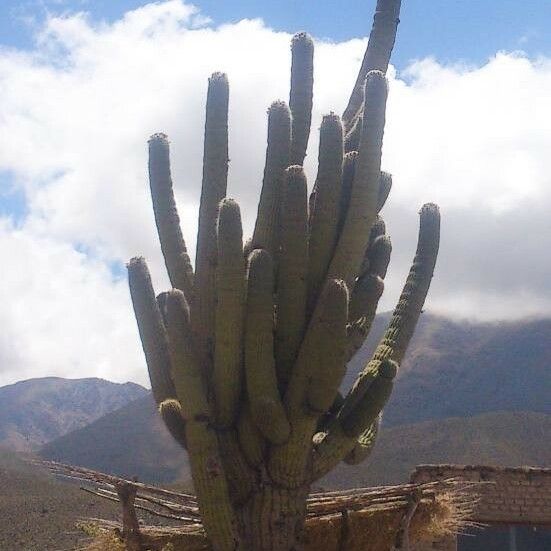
point(83, 85)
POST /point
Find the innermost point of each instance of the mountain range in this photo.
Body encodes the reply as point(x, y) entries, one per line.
point(466, 392)
point(37, 411)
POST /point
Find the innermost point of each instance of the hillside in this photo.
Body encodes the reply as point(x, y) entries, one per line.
point(505, 439)
point(455, 377)
point(38, 512)
point(37, 411)
point(131, 441)
point(459, 368)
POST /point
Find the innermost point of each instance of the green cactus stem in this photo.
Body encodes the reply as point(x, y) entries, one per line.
point(404, 319)
point(152, 330)
point(316, 377)
point(167, 220)
point(365, 444)
point(301, 95)
point(267, 408)
point(385, 185)
point(291, 279)
point(202, 441)
point(324, 216)
point(362, 208)
point(230, 310)
point(266, 230)
point(215, 175)
point(171, 413)
point(377, 55)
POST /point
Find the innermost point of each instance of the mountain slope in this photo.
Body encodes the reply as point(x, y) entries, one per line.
point(36, 411)
point(131, 441)
point(505, 439)
point(453, 370)
point(458, 368)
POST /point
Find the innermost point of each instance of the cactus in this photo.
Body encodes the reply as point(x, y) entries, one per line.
point(246, 355)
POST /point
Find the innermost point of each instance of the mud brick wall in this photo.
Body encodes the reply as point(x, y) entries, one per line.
point(508, 495)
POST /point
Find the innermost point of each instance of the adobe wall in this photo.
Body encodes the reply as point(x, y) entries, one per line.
point(511, 495)
point(519, 495)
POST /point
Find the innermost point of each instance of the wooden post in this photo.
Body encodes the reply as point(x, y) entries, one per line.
point(402, 536)
point(130, 526)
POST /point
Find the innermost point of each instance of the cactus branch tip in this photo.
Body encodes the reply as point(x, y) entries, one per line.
point(302, 39)
point(376, 81)
point(135, 262)
point(279, 107)
point(430, 209)
point(219, 78)
point(158, 138)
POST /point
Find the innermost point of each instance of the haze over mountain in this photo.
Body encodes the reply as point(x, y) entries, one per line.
point(37, 411)
point(466, 392)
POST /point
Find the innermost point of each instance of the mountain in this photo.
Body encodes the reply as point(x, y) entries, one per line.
point(131, 441)
point(460, 368)
point(504, 439)
point(37, 411)
point(465, 392)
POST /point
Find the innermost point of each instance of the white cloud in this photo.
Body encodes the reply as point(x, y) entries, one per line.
point(75, 115)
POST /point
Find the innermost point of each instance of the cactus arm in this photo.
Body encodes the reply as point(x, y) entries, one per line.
point(211, 487)
point(324, 217)
point(291, 277)
point(230, 304)
point(266, 231)
point(402, 324)
point(267, 408)
point(188, 378)
point(342, 434)
point(348, 170)
point(352, 137)
point(300, 97)
point(173, 246)
point(362, 208)
point(378, 254)
point(385, 185)
point(171, 413)
point(363, 307)
point(353, 417)
point(319, 357)
point(206, 464)
point(215, 173)
point(365, 444)
point(314, 383)
point(240, 476)
point(251, 441)
point(365, 411)
point(377, 54)
point(151, 329)
point(367, 292)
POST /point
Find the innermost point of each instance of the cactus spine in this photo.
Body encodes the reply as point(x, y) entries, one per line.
point(246, 355)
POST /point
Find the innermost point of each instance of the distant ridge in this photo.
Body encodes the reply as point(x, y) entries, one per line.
point(36, 411)
point(466, 392)
point(460, 368)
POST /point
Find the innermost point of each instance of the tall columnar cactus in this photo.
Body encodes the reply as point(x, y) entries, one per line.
point(246, 355)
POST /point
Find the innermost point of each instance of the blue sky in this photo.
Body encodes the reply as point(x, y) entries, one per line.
point(450, 30)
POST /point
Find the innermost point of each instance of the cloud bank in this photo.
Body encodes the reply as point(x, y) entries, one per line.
point(75, 115)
